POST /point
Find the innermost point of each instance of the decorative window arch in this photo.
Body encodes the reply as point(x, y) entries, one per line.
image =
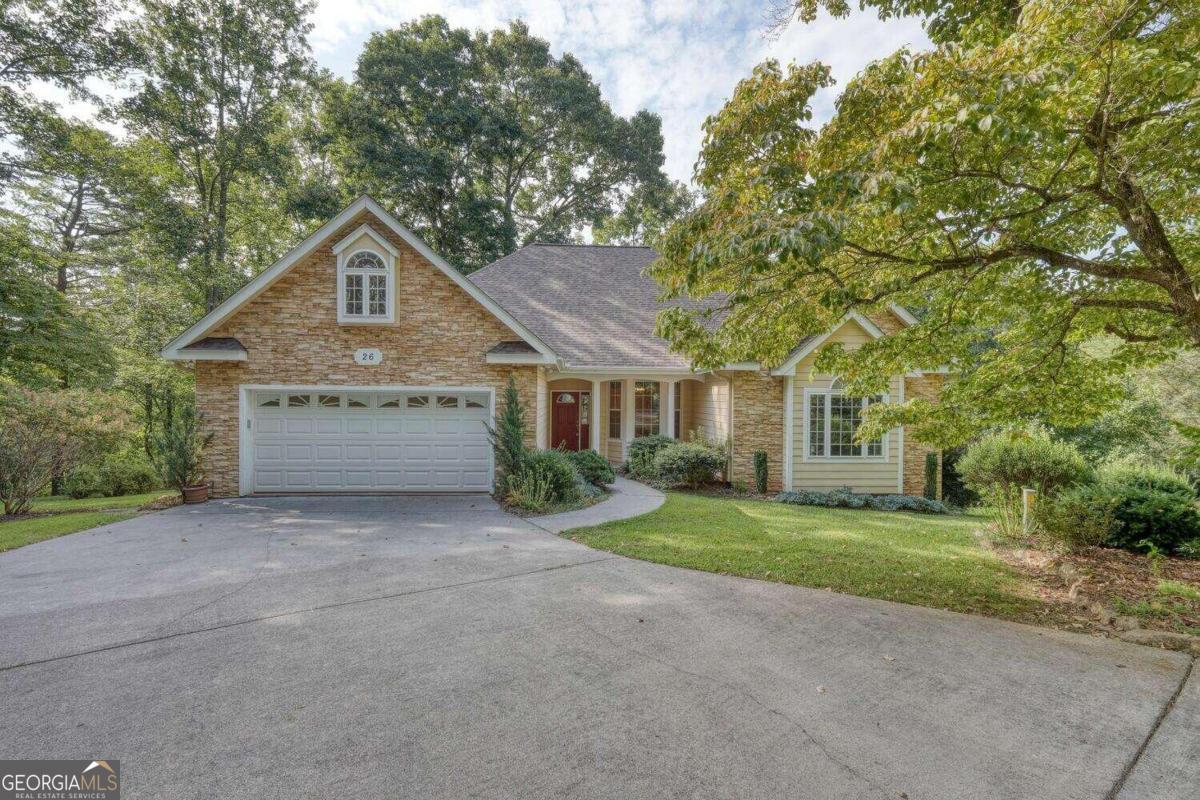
point(831, 421)
point(366, 278)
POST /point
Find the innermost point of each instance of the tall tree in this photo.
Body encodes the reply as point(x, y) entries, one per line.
point(218, 76)
point(486, 141)
point(1027, 189)
point(60, 42)
point(945, 20)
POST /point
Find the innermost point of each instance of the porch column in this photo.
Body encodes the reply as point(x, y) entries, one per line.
point(666, 422)
point(597, 434)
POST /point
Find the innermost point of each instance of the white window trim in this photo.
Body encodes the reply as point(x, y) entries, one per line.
point(859, 459)
point(387, 254)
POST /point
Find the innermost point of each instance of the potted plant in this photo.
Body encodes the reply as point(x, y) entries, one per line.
point(179, 454)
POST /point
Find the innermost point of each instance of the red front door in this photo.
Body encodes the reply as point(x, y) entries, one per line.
point(569, 420)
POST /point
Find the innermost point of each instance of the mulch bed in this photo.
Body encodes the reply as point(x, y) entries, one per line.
point(1117, 579)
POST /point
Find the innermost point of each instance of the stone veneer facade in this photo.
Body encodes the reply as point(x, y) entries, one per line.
point(758, 401)
point(291, 333)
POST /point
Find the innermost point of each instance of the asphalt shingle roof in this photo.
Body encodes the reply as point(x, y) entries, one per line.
point(590, 303)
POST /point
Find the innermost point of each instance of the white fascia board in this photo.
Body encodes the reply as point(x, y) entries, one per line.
point(903, 313)
point(205, 355)
point(519, 358)
point(741, 366)
point(366, 230)
point(789, 367)
point(585, 369)
point(273, 273)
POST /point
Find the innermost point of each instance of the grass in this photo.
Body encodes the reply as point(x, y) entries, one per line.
point(925, 560)
point(62, 504)
point(27, 530)
point(57, 516)
point(1173, 604)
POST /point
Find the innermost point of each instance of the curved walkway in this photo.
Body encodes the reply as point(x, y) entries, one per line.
point(629, 499)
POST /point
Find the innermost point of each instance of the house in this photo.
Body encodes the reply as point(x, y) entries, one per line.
point(361, 361)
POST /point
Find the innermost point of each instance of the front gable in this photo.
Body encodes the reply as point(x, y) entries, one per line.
point(302, 293)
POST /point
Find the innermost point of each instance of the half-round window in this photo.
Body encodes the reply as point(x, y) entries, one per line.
point(365, 259)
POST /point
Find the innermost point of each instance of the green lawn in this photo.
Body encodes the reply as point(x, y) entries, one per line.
point(58, 516)
point(921, 559)
point(62, 503)
point(27, 530)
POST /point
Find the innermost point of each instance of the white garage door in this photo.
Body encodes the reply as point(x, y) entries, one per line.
point(350, 441)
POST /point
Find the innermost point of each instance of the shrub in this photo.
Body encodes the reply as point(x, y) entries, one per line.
point(1189, 549)
point(508, 437)
point(554, 469)
point(954, 491)
point(593, 467)
point(931, 475)
point(846, 498)
point(178, 451)
point(48, 433)
point(1153, 507)
point(127, 472)
point(689, 463)
point(1081, 516)
point(999, 466)
point(585, 488)
point(527, 490)
point(642, 452)
point(760, 471)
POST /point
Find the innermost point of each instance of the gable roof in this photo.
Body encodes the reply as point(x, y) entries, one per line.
point(590, 303)
point(810, 343)
point(176, 349)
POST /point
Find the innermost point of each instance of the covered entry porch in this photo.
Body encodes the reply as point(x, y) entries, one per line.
point(603, 411)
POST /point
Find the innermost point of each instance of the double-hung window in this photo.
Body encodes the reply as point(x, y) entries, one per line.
point(614, 409)
point(645, 408)
point(833, 422)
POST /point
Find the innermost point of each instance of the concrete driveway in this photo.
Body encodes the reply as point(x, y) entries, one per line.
point(437, 647)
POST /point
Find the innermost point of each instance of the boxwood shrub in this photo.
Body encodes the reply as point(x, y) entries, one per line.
point(642, 451)
point(593, 467)
point(688, 463)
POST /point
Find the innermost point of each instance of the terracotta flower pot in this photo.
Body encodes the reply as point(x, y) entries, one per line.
point(195, 494)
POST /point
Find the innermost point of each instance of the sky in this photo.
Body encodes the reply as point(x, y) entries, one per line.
point(677, 58)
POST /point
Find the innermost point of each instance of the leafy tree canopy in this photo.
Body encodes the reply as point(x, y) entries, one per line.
point(1024, 190)
point(485, 141)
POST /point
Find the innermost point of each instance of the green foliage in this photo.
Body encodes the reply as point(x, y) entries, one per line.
point(944, 20)
point(485, 141)
point(593, 467)
point(508, 437)
point(760, 471)
point(1010, 461)
point(208, 108)
point(48, 433)
point(847, 498)
point(1077, 517)
point(1189, 549)
point(954, 492)
point(545, 477)
point(642, 451)
point(689, 463)
point(999, 466)
point(1154, 507)
point(178, 451)
point(977, 183)
point(931, 475)
point(121, 473)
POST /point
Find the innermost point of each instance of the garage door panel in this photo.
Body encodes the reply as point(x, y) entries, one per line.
point(438, 446)
point(329, 426)
point(292, 425)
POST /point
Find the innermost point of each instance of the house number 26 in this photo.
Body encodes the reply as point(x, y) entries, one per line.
point(368, 356)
